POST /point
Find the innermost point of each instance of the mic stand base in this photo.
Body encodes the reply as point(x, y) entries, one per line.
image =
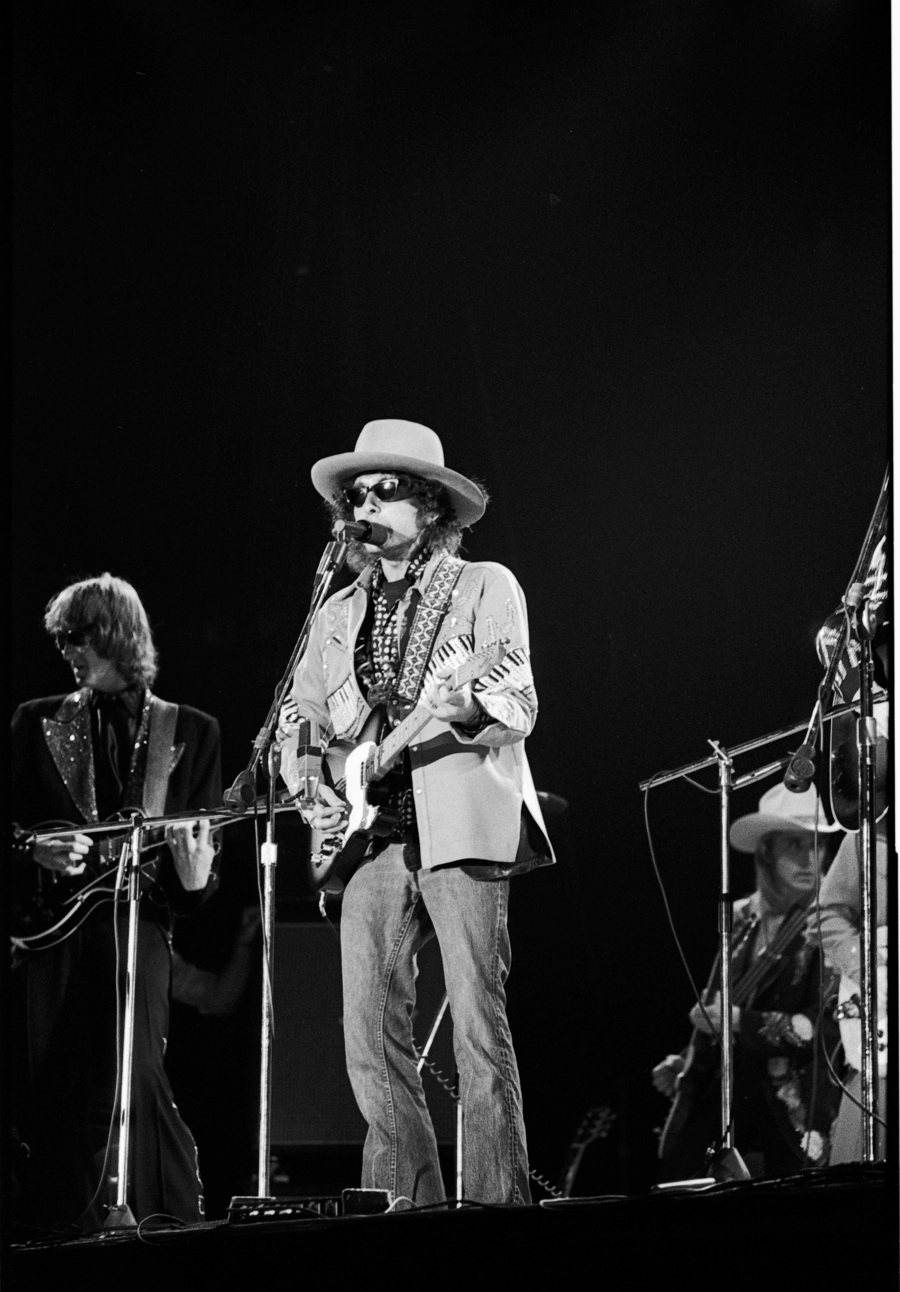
point(727, 1166)
point(120, 1217)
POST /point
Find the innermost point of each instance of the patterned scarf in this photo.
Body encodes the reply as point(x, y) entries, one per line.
point(384, 648)
point(379, 671)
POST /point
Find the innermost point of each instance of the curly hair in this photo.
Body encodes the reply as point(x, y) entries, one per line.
point(434, 512)
point(110, 612)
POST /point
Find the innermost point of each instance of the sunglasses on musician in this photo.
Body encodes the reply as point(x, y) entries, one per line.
point(75, 637)
point(390, 489)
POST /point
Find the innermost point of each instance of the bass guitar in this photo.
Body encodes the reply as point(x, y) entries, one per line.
point(335, 857)
point(745, 989)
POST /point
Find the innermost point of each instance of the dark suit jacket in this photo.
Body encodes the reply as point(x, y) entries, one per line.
point(51, 773)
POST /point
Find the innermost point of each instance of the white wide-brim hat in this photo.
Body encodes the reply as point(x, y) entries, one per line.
point(394, 445)
point(780, 810)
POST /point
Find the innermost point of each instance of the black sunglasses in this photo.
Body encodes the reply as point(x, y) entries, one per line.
point(76, 637)
point(391, 489)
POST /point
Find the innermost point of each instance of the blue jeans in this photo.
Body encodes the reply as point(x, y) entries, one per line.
point(389, 913)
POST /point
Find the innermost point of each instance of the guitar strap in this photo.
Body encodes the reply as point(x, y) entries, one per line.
point(425, 626)
point(163, 717)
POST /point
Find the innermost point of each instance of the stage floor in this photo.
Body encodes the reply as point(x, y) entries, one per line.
point(839, 1225)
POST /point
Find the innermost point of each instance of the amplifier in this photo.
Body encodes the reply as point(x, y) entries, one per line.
point(312, 1101)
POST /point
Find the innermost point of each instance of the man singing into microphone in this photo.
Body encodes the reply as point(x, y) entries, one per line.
point(467, 817)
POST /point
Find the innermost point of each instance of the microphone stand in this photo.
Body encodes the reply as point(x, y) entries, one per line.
point(240, 796)
point(454, 1095)
point(120, 1215)
point(868, 872)
point(728, 1163)
point(866, 743)
point(860, 618)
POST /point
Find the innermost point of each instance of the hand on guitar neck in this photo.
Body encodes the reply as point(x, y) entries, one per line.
point(448, 702)
point(64, 855)
point(665, 1075)
point(708, 1019)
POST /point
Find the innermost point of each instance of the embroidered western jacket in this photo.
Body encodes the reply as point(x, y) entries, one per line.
point(474, 795)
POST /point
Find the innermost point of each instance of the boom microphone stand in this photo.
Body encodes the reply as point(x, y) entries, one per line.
point(240, 796)
point(728, 1164)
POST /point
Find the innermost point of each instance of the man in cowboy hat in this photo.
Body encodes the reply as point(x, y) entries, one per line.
point(467, 816)
point(784, 1099)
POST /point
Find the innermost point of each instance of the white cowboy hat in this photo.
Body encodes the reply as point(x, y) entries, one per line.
point(780, 811)
point(394, 445)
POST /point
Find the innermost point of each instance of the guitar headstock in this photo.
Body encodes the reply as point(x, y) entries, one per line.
point(481, 663)
point(595, 1125)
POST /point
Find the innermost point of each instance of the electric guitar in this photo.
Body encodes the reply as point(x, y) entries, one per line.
point(47, 905)
point(335, 857)
point(595, 1125)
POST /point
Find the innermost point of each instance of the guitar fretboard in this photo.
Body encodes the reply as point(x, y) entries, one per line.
point(380, 761)
point(746, 987)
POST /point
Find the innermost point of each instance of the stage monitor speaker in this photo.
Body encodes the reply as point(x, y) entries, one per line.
point(312, 1102)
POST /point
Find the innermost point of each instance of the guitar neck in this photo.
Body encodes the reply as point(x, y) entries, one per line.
point(394, 744)
point(745, 988)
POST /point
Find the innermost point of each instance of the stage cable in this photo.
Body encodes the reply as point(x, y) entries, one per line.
point(665, 899)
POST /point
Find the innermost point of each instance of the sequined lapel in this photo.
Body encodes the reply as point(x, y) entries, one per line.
point(68, 737)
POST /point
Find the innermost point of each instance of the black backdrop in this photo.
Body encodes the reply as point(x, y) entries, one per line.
point(630, 260)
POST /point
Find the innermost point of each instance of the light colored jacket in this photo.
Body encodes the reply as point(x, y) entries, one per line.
point(470, 790)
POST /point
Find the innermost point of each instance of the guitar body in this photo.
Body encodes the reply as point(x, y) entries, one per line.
point(843, 782)
point(45, 924)
point(48, 905)
point(700, 1065)
point(844, 775)
point(335, 858)
point(847, 1014)
point(371, 779)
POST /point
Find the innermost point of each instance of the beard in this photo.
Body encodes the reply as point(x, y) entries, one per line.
point(359, 558)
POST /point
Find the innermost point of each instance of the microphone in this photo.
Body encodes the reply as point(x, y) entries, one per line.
point(309, 762)
point(362, 530)
point(801, 770)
